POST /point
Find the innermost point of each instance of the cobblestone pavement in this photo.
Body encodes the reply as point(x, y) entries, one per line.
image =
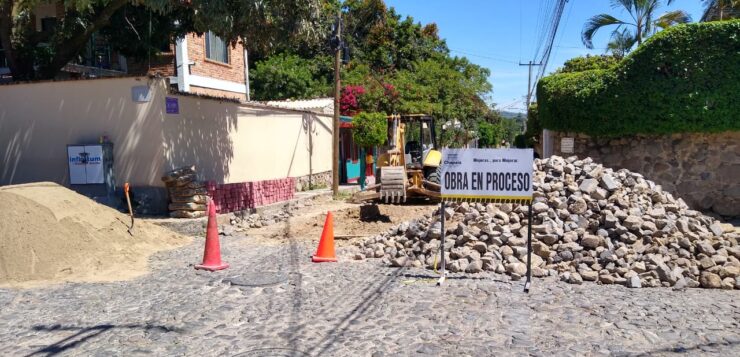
point(274, 302)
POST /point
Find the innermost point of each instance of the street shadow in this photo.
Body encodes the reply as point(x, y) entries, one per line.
point(343, 325)
point(86, 333)
point(690, 350)
point(429, 276)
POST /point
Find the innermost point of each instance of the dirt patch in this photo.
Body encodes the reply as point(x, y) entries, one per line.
point(351, 221)
point(51, 234)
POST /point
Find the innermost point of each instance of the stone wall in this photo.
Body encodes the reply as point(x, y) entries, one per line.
point(703, 169)
point(317, 180)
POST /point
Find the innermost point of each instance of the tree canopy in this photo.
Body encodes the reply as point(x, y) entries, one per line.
point(397, 65)
point(260, 24)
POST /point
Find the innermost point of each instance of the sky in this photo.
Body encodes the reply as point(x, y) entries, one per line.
point(499, 34)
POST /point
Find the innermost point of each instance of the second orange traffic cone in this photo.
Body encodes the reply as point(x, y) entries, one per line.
point(325, 252)
point(212, 253)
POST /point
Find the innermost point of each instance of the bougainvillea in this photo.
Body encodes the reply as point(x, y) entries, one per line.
point(349, 100)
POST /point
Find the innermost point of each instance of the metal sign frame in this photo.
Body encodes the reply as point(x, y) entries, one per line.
point(489, 199)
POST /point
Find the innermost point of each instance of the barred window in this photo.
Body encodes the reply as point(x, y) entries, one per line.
point(216, 48)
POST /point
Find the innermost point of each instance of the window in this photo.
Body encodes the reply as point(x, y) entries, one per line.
point(216, 48)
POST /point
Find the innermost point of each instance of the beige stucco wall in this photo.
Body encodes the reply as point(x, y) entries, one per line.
point(228, 142)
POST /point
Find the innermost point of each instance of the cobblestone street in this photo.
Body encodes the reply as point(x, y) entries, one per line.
point(273, 301)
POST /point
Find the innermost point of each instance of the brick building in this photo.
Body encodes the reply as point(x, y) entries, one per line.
point(193, 64)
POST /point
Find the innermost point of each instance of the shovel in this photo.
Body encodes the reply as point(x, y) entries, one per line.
point(130, 211)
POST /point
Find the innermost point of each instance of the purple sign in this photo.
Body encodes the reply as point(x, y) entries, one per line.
point(172, 106)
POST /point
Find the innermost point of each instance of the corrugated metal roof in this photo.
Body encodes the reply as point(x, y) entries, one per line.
point(320, 105)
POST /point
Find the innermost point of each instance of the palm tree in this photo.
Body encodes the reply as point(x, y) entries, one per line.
point(620, 44)
point(642, 23)
point(718, 10)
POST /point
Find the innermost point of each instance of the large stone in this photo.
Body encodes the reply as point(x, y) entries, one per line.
point(517, 268)
point(634, 282)
point(728, 283)
point(731, 271)
point(716, 228)
point(540, 207)
point(475, 266)
point(665, 274)
point(541, 249)
point(588, 185)
point(706, 263)
point(710, 280)
point(609, 183)
point(548, 239)
point(591, 241)
point(575, 278)
point(480, 247)
point(589, 275)
point(705, 247)
point(632, 223)
point(578, 206)
point(400, 262)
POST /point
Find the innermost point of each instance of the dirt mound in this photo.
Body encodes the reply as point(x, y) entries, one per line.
point(49, 233)
point(363, 220)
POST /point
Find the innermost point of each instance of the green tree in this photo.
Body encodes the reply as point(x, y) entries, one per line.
point(642, 23)
point(620, 43)
point(286, 76)
point(489, 135)
point(369, 129)
point(259, 24)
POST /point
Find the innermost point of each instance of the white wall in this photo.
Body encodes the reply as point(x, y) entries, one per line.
point(228, 142)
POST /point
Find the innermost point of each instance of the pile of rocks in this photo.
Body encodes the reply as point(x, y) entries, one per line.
point(590, 223)
point(255, 220)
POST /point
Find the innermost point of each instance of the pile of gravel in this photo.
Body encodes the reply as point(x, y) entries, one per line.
point(590, 223)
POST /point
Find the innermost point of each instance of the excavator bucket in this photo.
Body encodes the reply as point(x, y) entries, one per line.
point(393, 182)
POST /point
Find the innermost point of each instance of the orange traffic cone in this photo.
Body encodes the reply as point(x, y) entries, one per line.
point(212, 253)
point(325, 252)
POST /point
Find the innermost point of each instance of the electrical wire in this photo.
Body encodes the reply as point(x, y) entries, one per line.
point(482, 55)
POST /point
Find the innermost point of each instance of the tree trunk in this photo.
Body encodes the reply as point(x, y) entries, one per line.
point(66, 50)
point(17, 69)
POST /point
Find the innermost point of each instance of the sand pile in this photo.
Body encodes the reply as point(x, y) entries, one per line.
point(49, 233)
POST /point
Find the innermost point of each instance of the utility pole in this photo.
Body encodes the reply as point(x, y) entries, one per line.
point(529, 81)
point(337, 85)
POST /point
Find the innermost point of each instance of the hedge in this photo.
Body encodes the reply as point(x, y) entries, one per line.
point(584, 63)
point(683, 79)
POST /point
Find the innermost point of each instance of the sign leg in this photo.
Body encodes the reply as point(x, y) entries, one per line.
point(529, 250)
point(442, 245)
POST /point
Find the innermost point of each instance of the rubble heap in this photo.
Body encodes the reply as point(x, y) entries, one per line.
point(188, 197)
point(590, 223)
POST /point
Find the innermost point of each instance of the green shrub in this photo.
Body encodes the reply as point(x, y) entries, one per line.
point(369, 129)
point(585, 63)
point(683, 79)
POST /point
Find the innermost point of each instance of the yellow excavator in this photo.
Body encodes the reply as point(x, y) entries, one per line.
point(409, 164)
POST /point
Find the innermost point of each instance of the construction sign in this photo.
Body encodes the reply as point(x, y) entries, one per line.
point(487, 175)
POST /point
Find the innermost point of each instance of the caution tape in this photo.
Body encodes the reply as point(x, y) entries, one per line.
point(519, 200)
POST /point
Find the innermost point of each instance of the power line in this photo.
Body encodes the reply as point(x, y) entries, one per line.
point(483, 56)
point(555, 24)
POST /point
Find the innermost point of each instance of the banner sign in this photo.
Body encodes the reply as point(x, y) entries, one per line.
point(487, 175)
